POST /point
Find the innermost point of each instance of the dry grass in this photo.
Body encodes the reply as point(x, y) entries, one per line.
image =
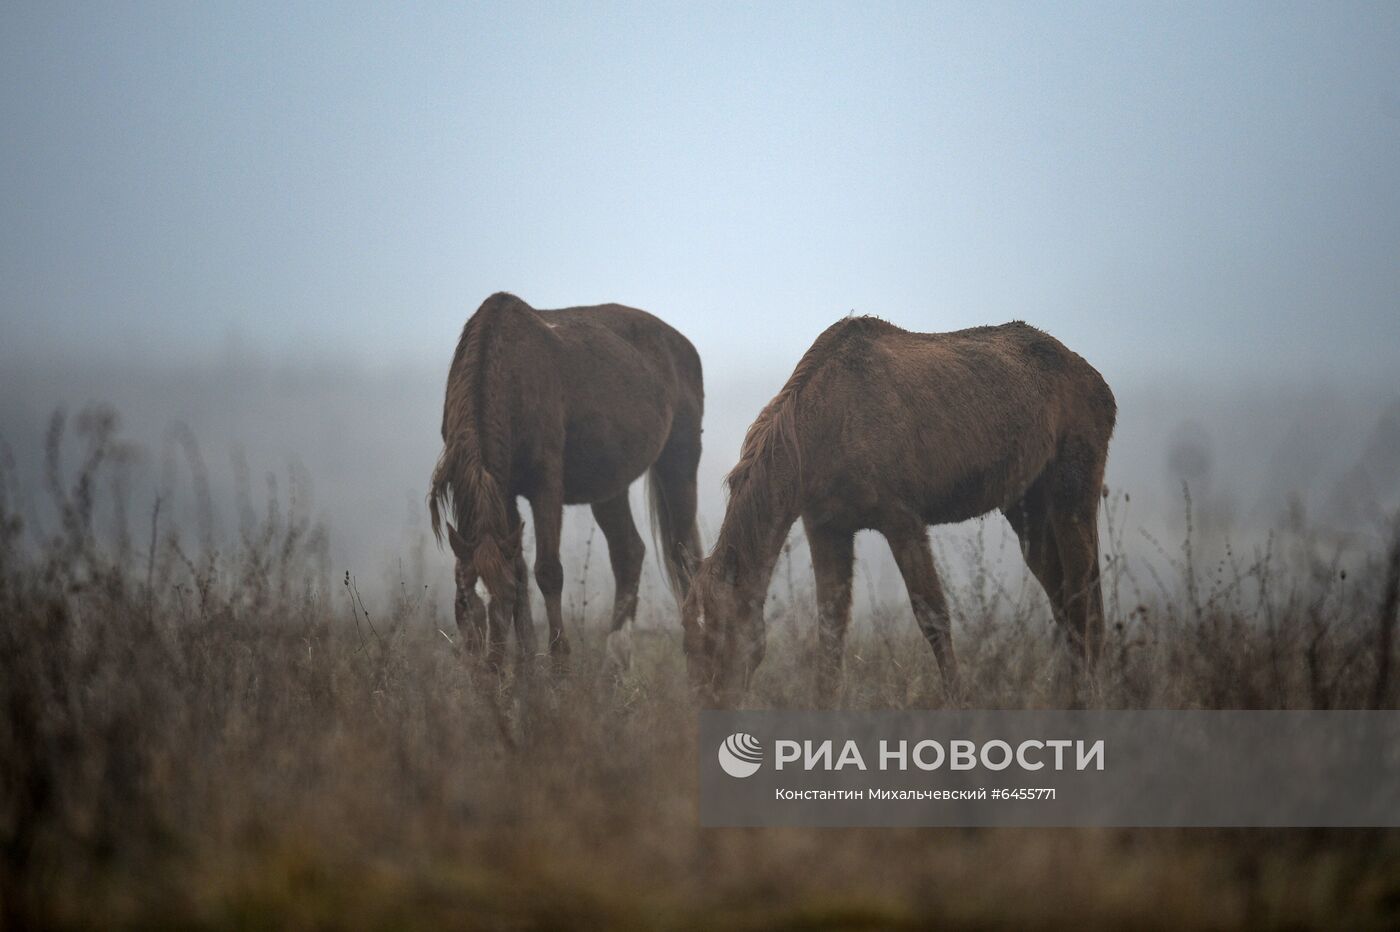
point(237, 741)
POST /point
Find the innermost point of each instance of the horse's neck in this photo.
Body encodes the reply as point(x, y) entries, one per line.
point(756, 527)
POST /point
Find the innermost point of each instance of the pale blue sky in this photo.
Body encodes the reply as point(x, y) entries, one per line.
point(1169, 188)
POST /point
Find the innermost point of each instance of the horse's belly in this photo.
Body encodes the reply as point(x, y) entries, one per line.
point(962, 503)
point(602, 457)
point(981, 490)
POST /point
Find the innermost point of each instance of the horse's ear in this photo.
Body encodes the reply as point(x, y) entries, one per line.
point(510, 547)
point(459, 545)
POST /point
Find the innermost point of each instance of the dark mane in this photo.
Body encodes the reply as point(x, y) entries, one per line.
point(471, 430)
point(773, 435)
point(775, 428)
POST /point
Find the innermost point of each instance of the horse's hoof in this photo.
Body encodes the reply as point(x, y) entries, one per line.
point(559, 655)
point(619, 648)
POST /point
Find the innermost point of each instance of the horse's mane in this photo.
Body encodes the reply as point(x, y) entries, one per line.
point(773, 434)
point(471, 426)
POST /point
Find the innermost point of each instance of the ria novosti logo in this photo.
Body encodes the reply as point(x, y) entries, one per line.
point(740, 755)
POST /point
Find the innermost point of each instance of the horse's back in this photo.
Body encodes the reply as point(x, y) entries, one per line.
point(585, 331)
point(1008, 377)
point(952, 423)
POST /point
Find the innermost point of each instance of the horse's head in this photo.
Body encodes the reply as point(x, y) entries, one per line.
point(493, 561)
point(723, 629)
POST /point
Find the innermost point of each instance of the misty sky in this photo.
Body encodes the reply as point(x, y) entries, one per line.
point(1168, 188)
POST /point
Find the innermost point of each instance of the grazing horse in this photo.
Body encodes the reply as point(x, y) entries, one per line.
point(886, 429)
point(563, 407)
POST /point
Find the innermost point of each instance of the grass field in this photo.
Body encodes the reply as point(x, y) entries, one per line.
point(238, 740)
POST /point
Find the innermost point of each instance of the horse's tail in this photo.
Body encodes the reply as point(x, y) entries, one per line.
point(438, 495)
point(678, 550)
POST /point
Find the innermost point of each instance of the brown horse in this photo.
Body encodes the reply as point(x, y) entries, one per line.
point(563, 407)
point(886, 429)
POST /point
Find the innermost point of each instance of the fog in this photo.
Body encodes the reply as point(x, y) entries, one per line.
point(354, 446)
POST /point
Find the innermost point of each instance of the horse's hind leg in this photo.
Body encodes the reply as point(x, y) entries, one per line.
point(673, 498)
point(915, 559)
point(626, 552)
point(833, 559)
point(1030, 519)
point(1076, 486)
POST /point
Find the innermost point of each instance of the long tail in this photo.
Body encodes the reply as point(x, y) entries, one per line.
point(438, 496)
point(678, 553)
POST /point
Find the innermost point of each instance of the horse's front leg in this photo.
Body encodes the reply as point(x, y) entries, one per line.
point(525, 643)
point(547, 508)
point(909, 544)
